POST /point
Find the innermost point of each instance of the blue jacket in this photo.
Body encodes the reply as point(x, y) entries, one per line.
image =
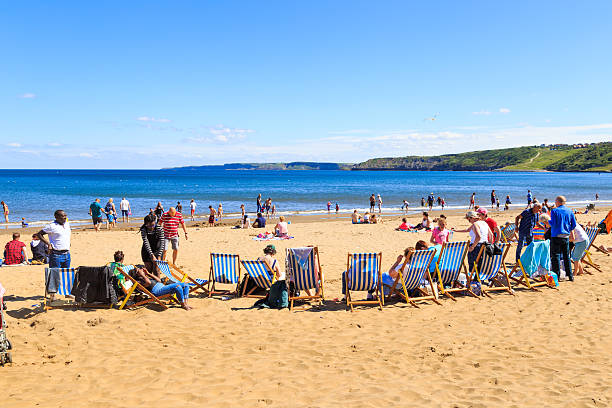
point(562, 221)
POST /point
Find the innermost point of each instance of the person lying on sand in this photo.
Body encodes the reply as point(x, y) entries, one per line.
point(154, 285)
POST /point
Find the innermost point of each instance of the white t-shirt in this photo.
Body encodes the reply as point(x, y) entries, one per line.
point(274, 266)
point(59, 235)
point(124, 205)
point(192, 205)
point(580, 234)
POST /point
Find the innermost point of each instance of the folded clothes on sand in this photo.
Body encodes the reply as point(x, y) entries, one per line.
point(268, 236)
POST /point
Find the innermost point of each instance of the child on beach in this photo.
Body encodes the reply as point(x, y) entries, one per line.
point(273, 210)
point(281, 229)
point(337, 208)
point(403, 226)
point(24, 224)
point(219, 212)
point(440, 234)
point(211, 217)
point(425, 223)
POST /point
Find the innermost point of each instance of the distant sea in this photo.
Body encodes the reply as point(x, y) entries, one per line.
point(35, 194)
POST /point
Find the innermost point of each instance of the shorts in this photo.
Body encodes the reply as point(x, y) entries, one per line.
point(174, 242)
point(125, 213)
point(192, 211)
point(96, 220)
point(110, 217)
point(579, 249)
point(211, 219)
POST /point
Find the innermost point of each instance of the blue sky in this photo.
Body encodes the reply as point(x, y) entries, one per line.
point(156, 84)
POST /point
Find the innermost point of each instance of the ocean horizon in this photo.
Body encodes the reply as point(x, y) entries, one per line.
point(35, 194)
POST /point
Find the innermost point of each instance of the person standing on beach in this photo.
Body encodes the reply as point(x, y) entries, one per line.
point(422, 201)
point(159, 210)
point(442, 203)
point(5, 211)
point(430, 201)
point(529, 198)
point(507, 204)
point(379, 204)
point(242, 211)
point(153, 242)
point(192, 208)
point(220, 212)
point(472, 201)
point(493, 198)
point(596, 197)
point(124, 206)
point(562, 223)
point(110, 213)
point(95, 210)
point(259, 207)
point(58, 243)
point(170, 222)
point(525, 222)
point(179, 207)
point(337, 208)
point(211, 216)
point(328, 207)
point(405, 206)
point(372, 203)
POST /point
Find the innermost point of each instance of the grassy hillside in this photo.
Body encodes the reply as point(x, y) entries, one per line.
point(597, 157)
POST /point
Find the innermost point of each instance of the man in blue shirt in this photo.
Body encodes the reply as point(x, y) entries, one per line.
point(95, 210)
point(260, 222)
point(529, 198)
point(562, 223)
point(528, 219)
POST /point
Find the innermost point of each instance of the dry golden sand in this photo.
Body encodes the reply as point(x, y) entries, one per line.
point(548, 348)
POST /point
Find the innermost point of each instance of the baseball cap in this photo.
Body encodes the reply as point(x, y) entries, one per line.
point(482, 211)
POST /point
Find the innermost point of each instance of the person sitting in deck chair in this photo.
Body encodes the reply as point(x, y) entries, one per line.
point(153, 284)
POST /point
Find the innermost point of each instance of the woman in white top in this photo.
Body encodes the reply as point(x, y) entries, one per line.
point(281, 229)
point(480, 234)
point(269, 252)
point(581, 240)
point(246, 222)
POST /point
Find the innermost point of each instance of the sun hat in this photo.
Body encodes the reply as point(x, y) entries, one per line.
point(269, 248)
point(471, 214)
point(482, 211)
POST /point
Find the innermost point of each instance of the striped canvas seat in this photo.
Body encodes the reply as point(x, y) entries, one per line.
point(490, 268)
point(509, 232)
point(304, 270)
point(417, 268)
point(66, 276)
point(451, 260)
point(591, 233)
point(260, 273)
point(165, 268)
point(586, 258)
point(129, 287)
point(491, 265)
point(363, 274)
point(226, 268)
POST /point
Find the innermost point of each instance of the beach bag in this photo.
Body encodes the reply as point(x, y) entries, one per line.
point(493, 249)
point(278, 296)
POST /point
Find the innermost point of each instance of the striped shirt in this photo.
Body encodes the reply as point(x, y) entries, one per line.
point(171, 224)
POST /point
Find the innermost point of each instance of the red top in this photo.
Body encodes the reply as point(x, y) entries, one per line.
point(13, 252)
point(171, 224)
point(492, 224)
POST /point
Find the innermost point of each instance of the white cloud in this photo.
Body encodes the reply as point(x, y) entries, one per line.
point(27, 95)
point(222, 134)
point(14, 144)
point(151, 119)
point(481, 112)
point(504, 110)
point(350, 132)
point(54, 144)
point(87, 155)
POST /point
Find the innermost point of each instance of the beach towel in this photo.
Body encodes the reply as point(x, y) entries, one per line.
point(536, 258)
point(608, 222)
point(270, 237)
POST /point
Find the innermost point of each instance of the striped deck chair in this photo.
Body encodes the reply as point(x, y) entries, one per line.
point(592, 233)
point(509, 233)
point(363, 274)
point(450, 264)
point(490, 268)
point(262, 275)
point(411, 276)
point(66, 278)
point(224, 269)
point(303, 268)
point(174, 275)
point(133, 289)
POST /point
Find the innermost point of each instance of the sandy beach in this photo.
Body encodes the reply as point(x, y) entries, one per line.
point(546, 348)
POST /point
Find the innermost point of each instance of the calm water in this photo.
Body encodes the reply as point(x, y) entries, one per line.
point(35, 194)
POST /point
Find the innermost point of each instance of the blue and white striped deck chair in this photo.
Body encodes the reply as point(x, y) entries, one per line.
point(224, 269)
point(450, 264)
point(509, 233)
point(586, 258)
point(262, 275)
point(303, 268)
point(130, 285)
point(489, 270)
point(413, 273)
point(62, 279)
point(363, 274)
point(174, 275)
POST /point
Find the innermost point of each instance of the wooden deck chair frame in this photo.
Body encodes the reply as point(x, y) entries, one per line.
point(247, 277)
point(514, 234)
point(404, 293)
point(380, 301)
point(182, 277)
point(212, 282)
point(136, 285)
point(319, 295)
point(525, 279)
point(502, 269)
point(462, 288)
point(586, 258)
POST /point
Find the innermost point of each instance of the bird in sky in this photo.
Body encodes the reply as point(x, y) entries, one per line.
point(433, 118)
